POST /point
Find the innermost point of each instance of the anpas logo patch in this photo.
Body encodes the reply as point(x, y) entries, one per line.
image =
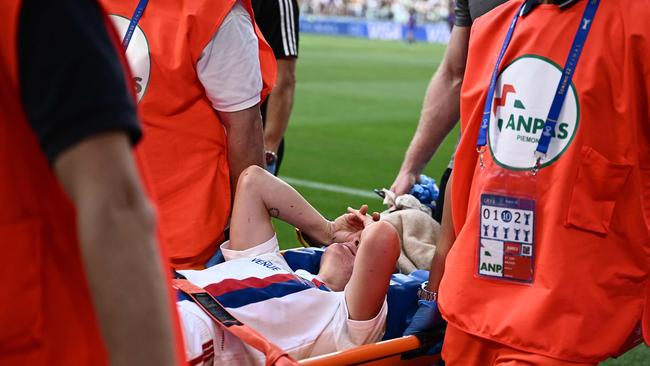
point(491, 258)
point(137, 54)
point(522, 99)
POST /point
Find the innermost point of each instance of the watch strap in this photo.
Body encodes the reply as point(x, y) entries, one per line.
point(426, 295)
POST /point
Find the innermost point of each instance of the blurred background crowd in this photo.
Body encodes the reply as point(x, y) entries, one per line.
point(424, 11)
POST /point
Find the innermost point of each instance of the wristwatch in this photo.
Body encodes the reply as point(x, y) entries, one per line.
point(271, 162)
point(424, 294)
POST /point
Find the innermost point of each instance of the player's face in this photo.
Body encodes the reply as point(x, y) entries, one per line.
point(336, 265)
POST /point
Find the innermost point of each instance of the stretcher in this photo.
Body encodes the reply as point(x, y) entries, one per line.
point(394, 349)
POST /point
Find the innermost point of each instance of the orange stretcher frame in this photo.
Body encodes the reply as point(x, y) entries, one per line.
point(404, 351)
point(393, 352)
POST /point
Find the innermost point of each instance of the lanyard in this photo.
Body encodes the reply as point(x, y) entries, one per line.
point(139, 10)
point(560, 92)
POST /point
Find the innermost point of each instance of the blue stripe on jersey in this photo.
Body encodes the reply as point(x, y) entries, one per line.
point(246, 296)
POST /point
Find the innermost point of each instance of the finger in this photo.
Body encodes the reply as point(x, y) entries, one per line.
point(403, 185)
point(376, 216)
point(357, 220)
point(364, 219)
point(401, 191)
point(397, 188)
point(359, 215)
point(363, 209)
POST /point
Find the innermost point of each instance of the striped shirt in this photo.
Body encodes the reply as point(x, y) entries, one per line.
point(292, 309)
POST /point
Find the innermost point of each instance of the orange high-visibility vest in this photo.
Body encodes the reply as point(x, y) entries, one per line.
point(46, 314)
point(593, 245)
point(646, 316)
point(184, 144)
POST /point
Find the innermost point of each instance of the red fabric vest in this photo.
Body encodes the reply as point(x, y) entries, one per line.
point(46, 314)
point(646, 316)
point(593, 246)
point(185, 144)
point(45, 308)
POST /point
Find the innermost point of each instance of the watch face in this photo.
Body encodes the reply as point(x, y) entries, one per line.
point(271, 157)
point(421, 294)
point(426, 295)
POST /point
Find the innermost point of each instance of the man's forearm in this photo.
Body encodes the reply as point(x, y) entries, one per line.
point(245, 141)
point(440, 111)
point(439, 115)
point(116, 226)
point(454, 63)
point(128, 285)
point(280, 103)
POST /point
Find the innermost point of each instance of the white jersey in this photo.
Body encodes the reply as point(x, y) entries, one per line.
point(291, 309)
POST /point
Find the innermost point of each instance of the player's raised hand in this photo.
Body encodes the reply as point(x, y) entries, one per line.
point(362, 215)
point(346, 228)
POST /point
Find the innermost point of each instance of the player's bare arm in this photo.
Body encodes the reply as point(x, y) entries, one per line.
point(375, 261)
point(261, 196)
point(372, 247)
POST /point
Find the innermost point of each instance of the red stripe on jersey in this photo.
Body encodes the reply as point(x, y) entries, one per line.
point(230, 284)
point(208, 353)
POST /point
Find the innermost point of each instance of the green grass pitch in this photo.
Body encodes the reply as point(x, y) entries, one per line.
point(356, 108)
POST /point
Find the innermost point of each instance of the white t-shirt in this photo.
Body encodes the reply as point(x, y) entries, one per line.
point(298, 314)
point(229, 66)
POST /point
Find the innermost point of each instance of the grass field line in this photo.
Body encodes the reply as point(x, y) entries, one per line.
point(329, 187)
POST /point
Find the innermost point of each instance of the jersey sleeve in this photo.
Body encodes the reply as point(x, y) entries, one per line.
point(72, 82)
point(463, 17)
point(270, 246)
point(229, 67)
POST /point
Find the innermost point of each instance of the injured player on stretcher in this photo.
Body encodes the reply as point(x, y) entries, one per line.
point(343, 306)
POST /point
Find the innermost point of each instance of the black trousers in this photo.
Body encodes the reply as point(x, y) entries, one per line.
point(440, 202)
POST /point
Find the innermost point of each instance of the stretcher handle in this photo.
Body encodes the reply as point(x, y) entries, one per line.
point(428, 340)
point(408, 347)
point(365, 353)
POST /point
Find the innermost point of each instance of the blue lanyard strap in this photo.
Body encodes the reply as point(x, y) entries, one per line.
point(482, 133)
point(139, 10)
point(567, 75)
point(563, 85)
